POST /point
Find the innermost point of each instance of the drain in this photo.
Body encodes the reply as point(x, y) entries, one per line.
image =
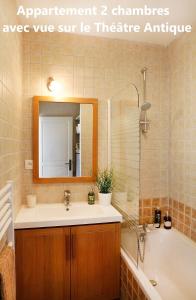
point(153, 282)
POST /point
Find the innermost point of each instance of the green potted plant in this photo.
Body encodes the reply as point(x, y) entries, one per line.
point(105, 182)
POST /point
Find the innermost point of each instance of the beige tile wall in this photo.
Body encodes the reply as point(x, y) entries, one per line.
point(155, 144)
point(183, 218)
point(125, 154)
point(11, 158)
point(98, 67)
point(182, 58)
point(182, 62)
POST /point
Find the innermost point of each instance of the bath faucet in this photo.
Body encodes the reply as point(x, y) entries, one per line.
point(145, 227)
point(142, 234)
point(67, 196)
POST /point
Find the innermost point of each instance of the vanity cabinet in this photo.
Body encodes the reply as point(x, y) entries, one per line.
point(43, 264)
point(76, 262)
point(95, 263)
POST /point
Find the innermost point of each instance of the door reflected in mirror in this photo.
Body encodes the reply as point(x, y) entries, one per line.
point(66, 139)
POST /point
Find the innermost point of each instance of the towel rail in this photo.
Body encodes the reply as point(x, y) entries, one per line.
point(6, 213)
point(5, 228)
point(4, 210)
point(6, 216)
point(5, 189)
point(5, 199)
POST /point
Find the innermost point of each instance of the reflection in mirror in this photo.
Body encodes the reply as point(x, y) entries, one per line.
point(65, 139)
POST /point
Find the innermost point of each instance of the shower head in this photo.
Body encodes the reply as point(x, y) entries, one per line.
point(145, 106)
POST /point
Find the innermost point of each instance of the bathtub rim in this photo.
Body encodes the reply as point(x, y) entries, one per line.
point(140, 276)
point(184, 237)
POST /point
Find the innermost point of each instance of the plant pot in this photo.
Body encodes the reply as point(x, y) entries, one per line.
point(105, 199)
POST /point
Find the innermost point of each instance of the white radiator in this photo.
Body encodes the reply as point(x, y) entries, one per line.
point(6, 213)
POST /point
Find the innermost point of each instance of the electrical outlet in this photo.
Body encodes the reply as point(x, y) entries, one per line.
point(28, 164)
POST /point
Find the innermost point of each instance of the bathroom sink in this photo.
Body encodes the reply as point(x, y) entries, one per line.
point(52, 215)
point(85, 210)
point(75, 210)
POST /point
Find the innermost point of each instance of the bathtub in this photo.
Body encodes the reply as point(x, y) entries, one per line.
point(170, 260)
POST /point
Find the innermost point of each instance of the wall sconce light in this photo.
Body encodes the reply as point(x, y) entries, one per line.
point(52, 85)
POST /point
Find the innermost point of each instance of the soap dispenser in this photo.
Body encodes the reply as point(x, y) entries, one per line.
point(167, 221)
point(91, 197)
point(157, 218)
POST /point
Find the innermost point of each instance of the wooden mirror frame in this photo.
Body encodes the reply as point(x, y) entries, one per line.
point(36, 101)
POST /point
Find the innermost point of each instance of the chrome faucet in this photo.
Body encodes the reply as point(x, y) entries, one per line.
point(67, 196)
point(143, 233)
point(145, 227)
point(142, 236)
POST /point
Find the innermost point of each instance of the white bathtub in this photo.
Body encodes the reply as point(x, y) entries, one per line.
point(170, 260)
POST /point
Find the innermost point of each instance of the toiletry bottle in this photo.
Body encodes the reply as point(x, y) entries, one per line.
point(157, 218)
point(167, 221)
point(91, 197)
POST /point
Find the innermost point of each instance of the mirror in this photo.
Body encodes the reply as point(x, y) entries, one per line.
point(65, 139)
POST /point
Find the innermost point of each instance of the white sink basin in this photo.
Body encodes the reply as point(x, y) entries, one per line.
point(85, 210)
point(50, 215)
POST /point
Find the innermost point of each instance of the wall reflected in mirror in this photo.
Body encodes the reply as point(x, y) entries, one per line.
point(65, 139)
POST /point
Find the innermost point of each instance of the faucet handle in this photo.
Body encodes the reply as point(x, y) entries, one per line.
point(145, 225)
point(146, 228)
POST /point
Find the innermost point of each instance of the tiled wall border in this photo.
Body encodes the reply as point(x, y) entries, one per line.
point(183, 218)
point(130, 288)
point(148, 206)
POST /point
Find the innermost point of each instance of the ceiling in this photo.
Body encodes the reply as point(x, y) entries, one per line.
point(181, 12)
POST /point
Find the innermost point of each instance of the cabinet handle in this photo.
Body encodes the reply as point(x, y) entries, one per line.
point(67, 246)
point(73, 245)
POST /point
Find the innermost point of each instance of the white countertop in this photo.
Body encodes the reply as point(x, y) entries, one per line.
point(52, 215)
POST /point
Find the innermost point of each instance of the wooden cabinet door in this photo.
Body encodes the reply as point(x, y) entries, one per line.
point(95, 262)
point(43, 264)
